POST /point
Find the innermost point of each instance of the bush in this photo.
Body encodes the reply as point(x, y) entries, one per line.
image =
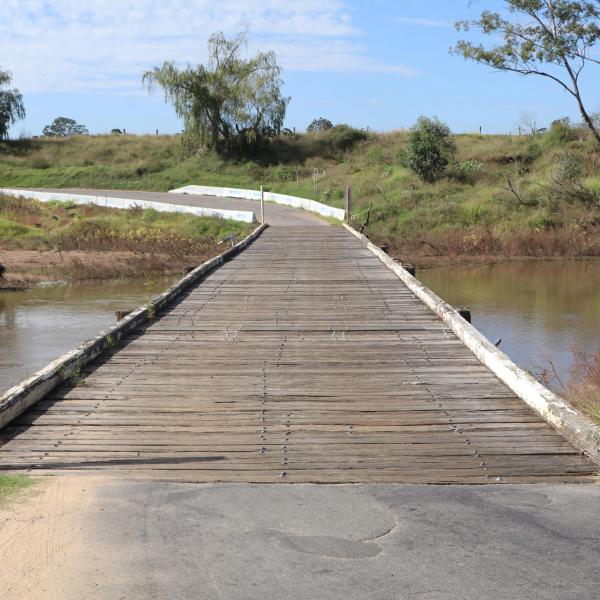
point(320, 124)
point(467, 171)
point(430, 147)
point(344, 137)
point(561, 131)
point(532, 153)
point(568, 167)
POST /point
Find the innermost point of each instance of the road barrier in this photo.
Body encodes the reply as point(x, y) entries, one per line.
point(113, 202)
point(294, 201)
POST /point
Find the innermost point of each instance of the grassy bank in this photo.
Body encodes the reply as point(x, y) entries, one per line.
point(502, 195)
point(11, 485)
point(67, 241)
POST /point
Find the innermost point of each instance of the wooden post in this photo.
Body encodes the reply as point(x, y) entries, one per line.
point(347, 203)
point(262, 205)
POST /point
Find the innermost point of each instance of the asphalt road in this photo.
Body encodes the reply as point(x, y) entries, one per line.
point(152, 540)
point(274, 214)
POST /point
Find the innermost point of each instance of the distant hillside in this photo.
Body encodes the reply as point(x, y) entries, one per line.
point(529, 195)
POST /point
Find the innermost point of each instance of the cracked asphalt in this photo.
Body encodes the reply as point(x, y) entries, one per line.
point(145, 540)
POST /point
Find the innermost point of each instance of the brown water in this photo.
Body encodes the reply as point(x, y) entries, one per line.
point(40, 324)
point(540, 309)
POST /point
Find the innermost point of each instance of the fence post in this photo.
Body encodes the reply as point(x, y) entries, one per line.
point(347, 203)
point(262, 205)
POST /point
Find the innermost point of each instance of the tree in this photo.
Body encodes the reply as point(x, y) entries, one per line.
point(554, 41)
point(232, 103)
point(11, 104)
point(320, 124)
point(64, 127)
point(430, 147)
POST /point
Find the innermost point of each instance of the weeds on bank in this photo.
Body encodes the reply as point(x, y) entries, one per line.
point(63, 226)
point(582, 389)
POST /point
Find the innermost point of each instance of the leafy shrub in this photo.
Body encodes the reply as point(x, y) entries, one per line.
point(561, 131)
point(532, 153)
point(149, 215)
point(467, 171)
point(430, 147)
point(320, 124)
point(568, 167)
point(344, 137)
point(286, 173)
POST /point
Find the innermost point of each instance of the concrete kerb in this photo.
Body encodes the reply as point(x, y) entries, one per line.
point(571, 423)
point(284, 199)
point(245, 216)
point(23, 395)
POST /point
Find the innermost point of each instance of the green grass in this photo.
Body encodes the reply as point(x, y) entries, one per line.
point(29, 224)
point(11, 485)
point(466, 204)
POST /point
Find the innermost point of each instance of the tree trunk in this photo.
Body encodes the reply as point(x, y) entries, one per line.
point(588, 120)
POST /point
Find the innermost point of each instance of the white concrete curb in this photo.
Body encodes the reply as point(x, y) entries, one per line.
point(571, 423)
point(23, 395)
point(284, 199)
point(234, 215)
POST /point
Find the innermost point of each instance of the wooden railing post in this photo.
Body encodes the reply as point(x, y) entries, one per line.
point(347, 203)
point(262, 205)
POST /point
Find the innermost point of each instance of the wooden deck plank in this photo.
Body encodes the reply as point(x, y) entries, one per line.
point(302, 360)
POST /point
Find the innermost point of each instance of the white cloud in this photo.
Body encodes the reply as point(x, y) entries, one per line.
point(422, 22)
point(70, 45)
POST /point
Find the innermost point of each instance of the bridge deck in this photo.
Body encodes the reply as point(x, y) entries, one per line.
point(302, 360)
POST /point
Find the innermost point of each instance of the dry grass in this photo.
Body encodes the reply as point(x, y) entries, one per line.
point(73, 242)
point(583, 390)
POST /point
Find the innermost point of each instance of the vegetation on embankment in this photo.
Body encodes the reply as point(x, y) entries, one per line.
point(535, 195)
point(62, 240)
point(582, 389)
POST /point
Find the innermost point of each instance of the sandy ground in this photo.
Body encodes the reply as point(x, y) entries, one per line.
point(40, 538)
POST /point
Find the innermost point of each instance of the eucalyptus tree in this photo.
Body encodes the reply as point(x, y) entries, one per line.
point(64, 127)
point(553, 39)
point(11, 104)
point(232, 103)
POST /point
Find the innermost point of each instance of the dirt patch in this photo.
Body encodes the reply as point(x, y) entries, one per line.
point(40, 538)
point(30, 267)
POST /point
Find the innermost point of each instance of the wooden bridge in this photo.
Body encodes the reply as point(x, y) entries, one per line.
point(304, 359)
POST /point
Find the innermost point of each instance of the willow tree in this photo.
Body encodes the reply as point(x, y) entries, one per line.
point(11, 104)
point(232, 103)
point(553, 39)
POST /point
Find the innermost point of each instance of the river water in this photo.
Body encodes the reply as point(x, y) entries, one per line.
point(40, 324)
point(541, 309)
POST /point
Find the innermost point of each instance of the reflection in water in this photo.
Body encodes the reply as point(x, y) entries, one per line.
point(38, 325)
point(540, 309)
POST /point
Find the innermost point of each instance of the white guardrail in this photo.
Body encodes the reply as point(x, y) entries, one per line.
point(284, 199)
point(110, 201)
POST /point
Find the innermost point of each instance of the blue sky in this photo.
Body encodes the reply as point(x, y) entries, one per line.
point(377, 63)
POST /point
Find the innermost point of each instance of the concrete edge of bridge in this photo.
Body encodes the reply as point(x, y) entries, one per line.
point(22, 396)
point(573, 425)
